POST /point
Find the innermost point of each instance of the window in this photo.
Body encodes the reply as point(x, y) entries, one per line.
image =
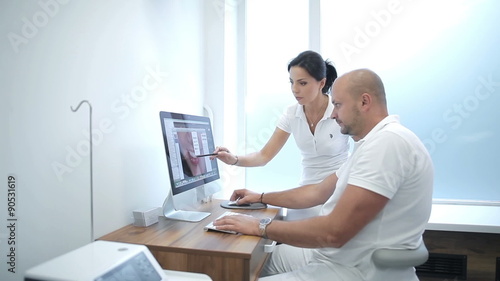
point(438, 61)
point(440, 66)
point(277, 31)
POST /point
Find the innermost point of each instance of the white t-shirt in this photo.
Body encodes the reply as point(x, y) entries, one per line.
point(323, 152)
point(393, 162)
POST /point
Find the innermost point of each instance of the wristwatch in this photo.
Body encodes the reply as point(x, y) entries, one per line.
point(263, 225)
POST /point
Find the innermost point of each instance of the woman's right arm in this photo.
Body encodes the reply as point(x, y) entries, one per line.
point(258, 158)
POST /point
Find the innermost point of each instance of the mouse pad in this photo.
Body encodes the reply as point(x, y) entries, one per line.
point(252, 206)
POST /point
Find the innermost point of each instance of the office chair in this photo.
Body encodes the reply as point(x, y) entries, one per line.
point(397, 264)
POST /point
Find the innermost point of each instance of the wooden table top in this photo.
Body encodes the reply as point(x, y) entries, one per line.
point(187, 237)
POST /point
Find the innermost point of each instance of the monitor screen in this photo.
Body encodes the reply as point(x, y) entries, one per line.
point(185, 138)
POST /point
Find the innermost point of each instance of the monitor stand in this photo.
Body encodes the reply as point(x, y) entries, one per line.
point(170, 212)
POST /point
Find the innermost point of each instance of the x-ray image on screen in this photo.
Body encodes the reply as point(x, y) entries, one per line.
point(191, 145)
point(186, 137)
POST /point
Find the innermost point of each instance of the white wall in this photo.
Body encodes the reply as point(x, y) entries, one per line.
point(130, 59)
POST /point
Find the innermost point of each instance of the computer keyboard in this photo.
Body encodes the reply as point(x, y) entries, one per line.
point(210, 226)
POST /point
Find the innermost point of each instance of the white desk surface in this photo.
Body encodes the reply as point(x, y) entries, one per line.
point(173, 275)
point(466, 218)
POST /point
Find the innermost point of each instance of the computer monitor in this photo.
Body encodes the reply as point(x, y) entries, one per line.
point(186, 137)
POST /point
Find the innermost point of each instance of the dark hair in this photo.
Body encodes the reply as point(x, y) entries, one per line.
point(318, 68)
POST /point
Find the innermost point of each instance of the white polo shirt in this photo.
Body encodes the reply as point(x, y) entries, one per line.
point(323, 152)
point(393, 162)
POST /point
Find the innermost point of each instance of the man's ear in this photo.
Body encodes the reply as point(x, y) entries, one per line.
point(366, 99)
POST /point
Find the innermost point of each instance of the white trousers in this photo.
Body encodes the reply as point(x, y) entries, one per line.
point(288, 263)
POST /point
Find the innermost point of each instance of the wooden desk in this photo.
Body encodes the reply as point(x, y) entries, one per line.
point(185, 246)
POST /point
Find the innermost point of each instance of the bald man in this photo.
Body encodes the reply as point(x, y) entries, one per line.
point(380, 198)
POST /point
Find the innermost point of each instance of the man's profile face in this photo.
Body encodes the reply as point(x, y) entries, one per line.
point(345, 111)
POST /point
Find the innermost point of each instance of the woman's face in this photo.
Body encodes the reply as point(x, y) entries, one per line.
point(304, 87)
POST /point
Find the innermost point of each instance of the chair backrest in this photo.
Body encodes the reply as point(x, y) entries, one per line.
point(391, 258)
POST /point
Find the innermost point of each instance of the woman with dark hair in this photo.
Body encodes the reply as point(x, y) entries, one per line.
point(318, 137)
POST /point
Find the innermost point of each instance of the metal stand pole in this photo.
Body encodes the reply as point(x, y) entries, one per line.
point(91, 169)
